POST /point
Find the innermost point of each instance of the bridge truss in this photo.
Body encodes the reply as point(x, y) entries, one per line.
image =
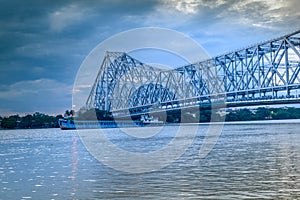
point(265, 71)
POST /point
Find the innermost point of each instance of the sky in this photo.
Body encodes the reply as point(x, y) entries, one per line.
point(43, 43)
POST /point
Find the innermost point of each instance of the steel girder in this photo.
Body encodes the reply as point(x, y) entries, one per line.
point(124, 82)
point(267, 67)
point(262, 69)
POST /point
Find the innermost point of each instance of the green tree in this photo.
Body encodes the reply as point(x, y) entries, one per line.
point(282, 113)
point(72, 112)
point(294, 112)
point(244, 115)
point(262, 113)
point(205, 116)
point(10, 122)
point(67, 113)
point(103, 115)
point(59, 117)
point(39, 120)
point(232, 116)
point(26, 121)
point(174, 116)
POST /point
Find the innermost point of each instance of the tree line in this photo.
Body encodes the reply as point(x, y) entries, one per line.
point(40, 120)
point(36, 120)
point(243, 114)
point(264, 114)
point(191, 115)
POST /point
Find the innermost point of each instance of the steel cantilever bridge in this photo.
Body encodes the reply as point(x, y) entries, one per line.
point(265, 73)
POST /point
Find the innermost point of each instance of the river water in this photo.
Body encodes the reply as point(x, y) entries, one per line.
point(249, 161)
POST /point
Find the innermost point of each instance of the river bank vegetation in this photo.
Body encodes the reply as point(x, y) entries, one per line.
point(36, 120)
point(241, 114)
point(40, 120)
point(190, 115)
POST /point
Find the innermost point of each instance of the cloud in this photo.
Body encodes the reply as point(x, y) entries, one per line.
point(43, 95)
point(67, 16)
point(192, 6)
point(225, 22)
point(270, 15)
point(186, 6)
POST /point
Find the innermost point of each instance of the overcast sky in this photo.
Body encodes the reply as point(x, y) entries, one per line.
point(43, 43)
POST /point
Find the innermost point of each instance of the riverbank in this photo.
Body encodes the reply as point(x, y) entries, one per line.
point(34, 121)
point(244, 115)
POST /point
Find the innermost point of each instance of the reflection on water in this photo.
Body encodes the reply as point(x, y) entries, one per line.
point(74, 166)
point(259, 161)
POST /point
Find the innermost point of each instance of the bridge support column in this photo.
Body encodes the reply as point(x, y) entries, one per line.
point(288, 92)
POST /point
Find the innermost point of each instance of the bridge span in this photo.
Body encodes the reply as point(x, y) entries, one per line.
point(262, 74)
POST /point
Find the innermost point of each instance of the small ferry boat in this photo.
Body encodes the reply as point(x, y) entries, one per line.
point(69, 124)
point(66, 124)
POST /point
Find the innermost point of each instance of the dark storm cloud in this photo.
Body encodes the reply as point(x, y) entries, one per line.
point(57, 35)
point(43, 40)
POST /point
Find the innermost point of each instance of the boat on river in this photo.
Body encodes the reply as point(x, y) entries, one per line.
point(69, 123)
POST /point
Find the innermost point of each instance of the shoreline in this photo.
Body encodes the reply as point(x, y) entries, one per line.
point(250, 122)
